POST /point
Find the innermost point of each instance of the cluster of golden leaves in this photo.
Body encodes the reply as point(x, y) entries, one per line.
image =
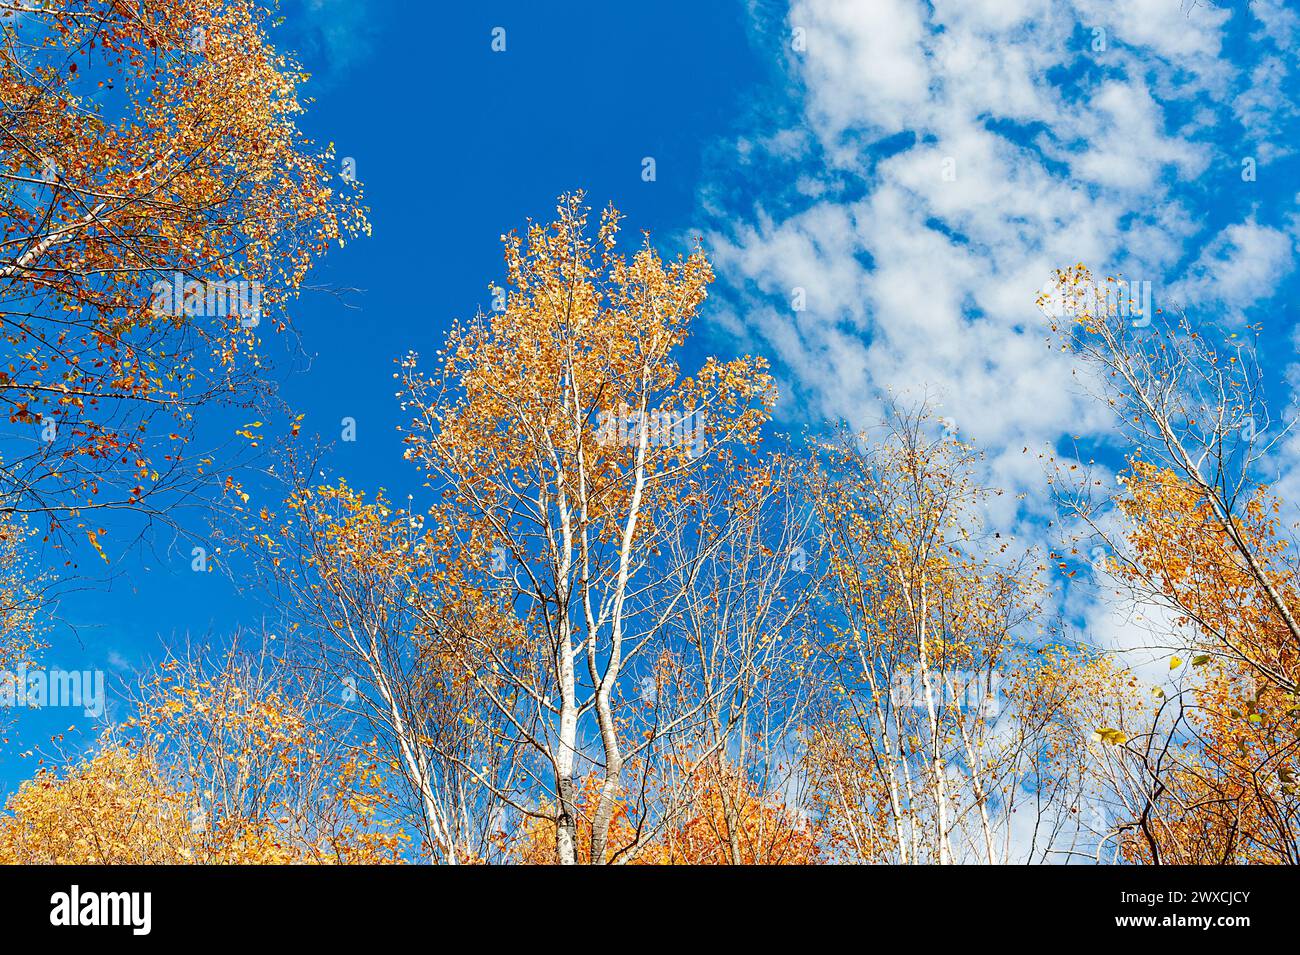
point(1232, 792)
point(412, 572)
point(586, 335)
point(723, 820)
point(729, 822)
point(215, 768)
point(142, 142)
point(20, 595)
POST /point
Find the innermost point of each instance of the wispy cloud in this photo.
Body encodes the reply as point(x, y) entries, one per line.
point(948, 156)
point(945, 157)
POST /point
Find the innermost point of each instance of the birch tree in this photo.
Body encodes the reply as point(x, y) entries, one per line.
point(1192, 538)
point(1190, 403)
point(570, 450)
point(374, 605)
point(917, 754)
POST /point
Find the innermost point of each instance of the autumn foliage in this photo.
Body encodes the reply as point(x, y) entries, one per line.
point(221, 765)
point(625, 623)
point(147, 150)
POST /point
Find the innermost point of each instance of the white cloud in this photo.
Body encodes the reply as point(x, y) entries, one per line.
point(1240, 267)
point(1262, 107)
point(950, 156)
point(929, 279)
point(1278, 21)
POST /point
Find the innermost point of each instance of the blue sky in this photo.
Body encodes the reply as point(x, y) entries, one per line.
point(455, 145)
point(917, 169)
